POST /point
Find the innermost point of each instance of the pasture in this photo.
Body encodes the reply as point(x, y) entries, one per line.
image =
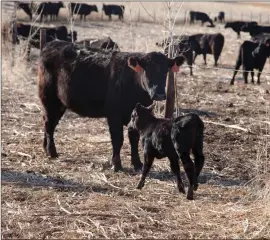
point(78, 196)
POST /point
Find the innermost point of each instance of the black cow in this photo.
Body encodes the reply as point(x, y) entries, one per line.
point(100, 84)
point(252, 56)
point(110, 10)
point(26, 7)
point(255, 30)
point(46, 9)
point(200, 16)
point(238, 25)
point(182, 45)
point(220, 17)
point(32, 33)
point(103, 43)
point(172, 138)
point(208, 44)
point(82, 9)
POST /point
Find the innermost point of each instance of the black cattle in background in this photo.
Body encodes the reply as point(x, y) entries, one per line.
point(102, 43)
point(238, 25)
point(200, 16)
point(110, 10)
point(82, 9)
point(252, 56)
point(220, 18)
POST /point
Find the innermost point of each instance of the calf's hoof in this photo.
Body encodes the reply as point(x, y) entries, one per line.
point(195, 188)
point(116, 164)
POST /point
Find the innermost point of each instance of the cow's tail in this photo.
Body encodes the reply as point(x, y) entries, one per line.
point(218, 46)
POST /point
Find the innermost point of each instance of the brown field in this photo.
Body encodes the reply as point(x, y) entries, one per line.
point(78, 195)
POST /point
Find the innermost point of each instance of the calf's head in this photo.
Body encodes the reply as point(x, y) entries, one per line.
point(154, 67)
point(141, 117)
point(94, 8)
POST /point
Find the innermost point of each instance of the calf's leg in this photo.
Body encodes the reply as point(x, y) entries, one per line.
point(134, 137)
point(198, 158)
point(148, 161)
point(117, 137)
point(238, 64)
point(245, 75)
point(252, 76)
point(176, 170)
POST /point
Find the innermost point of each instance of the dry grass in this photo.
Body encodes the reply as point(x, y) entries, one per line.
point(78, 196)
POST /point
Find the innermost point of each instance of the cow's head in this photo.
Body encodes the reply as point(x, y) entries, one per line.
point(61, 5)
point(103, 7)
point(141, 117)
point(94, 8)
point(154, 67)
point(227, 25)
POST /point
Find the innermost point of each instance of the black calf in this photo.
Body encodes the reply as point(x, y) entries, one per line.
point(172, 138)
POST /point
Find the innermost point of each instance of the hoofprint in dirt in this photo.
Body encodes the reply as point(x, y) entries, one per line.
point(78, 196)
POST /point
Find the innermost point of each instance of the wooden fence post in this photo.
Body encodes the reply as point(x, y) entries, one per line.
point(42, 38)
point(170, 88)
point(14, 33)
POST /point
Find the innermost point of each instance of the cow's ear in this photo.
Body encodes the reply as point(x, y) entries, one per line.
point(176, 62)
point(133, 63)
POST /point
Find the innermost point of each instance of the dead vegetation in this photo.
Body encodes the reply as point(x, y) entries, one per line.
point(78, 196)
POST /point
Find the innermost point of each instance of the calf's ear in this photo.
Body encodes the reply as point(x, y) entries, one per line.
point(176, 62)
point(133, 63)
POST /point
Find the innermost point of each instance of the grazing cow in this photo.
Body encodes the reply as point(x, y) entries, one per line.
point(252, 56)
point(208, 44)
point(182, 45)
point(255, 30)
point(238, 25)
point(200, 16)
point(110, 10)
point(46, 9)
point(220, 17)
point(103, 43)
point(172, 138)
point(26, 7)
point(97, 83)
point(82, 9)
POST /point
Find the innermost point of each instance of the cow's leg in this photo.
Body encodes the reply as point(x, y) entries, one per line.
point(196, 54)
point(252, 76)
point(148, 161)
point(117, 137)
point(174, 162)
point(81, 17)
point(134, 139)
point(198, 158)
point(204, 58)
point(238, 64)
point(245, 75)
point(190, 63)
point(110, 17)
point(54, 110)
point(259, 76)
point(238, 35)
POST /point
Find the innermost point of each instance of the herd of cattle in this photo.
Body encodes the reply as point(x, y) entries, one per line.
point(93, 78)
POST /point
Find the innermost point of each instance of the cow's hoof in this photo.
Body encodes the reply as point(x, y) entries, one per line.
point(190, 197)
point(195, 188)
point(181, 189)
point(117, 168)
point(140, 185)
point(138, 166)
point(52, 153)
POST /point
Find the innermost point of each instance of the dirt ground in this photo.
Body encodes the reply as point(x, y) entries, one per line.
point(78, 195)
